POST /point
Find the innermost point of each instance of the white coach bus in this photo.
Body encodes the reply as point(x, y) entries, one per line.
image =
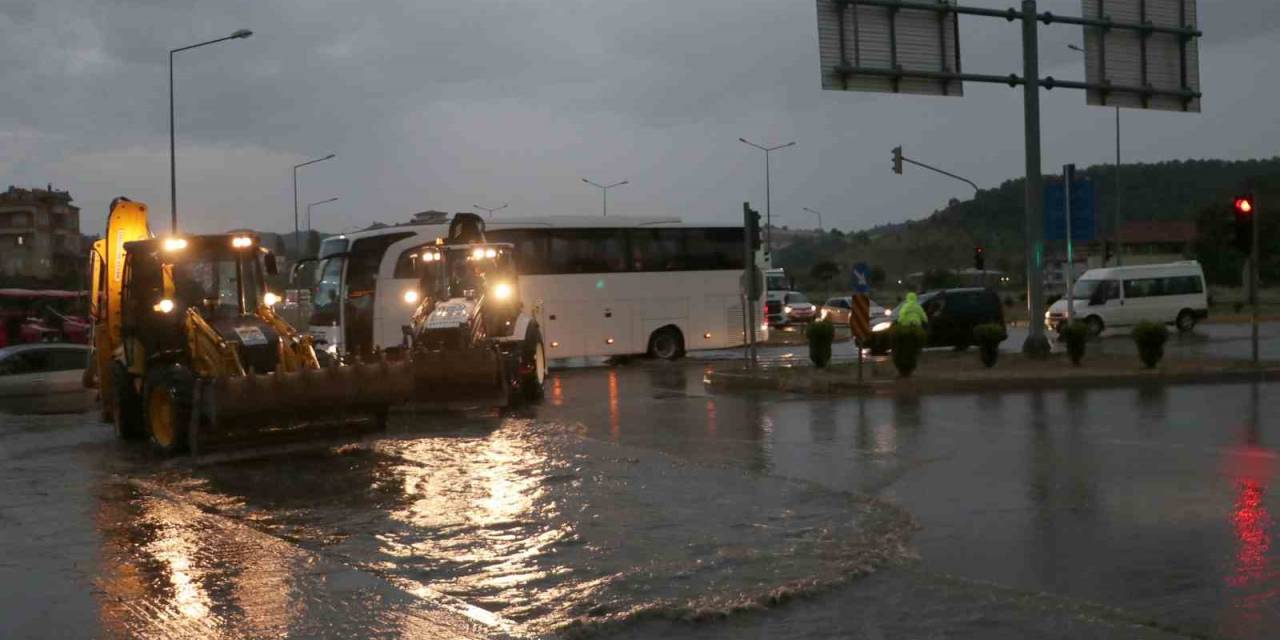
point(598, 286)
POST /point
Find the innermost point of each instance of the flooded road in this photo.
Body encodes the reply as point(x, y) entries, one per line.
point(632, 503)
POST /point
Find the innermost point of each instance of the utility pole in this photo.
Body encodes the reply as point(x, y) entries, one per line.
point(1036, 343)
point(768, 197)
point(604, 194)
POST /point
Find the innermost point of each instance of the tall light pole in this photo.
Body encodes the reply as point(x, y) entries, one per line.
point(604, 192)
point(313, 204)
point(768, 197)
point(491, 210)
point(816, 213)
point(173, 163)
point(297, 244)
point(1115, 214)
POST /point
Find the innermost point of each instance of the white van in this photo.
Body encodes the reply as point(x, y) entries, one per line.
point(1121, 296)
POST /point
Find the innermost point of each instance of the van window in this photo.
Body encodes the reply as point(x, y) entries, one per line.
point(1183, 285)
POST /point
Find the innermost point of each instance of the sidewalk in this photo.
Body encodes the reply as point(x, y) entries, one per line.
point(950, 372)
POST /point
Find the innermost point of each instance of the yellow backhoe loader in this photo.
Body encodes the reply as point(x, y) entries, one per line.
point(190, 354)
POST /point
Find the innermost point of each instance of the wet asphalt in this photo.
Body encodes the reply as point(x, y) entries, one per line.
point(634, 503)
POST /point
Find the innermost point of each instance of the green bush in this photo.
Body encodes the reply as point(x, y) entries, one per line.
point(1150, 338)
point(820, 335)
point(1075, 335)
point(989, 337)
point(907, 343)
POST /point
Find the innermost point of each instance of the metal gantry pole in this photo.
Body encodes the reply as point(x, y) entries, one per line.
point(1116, 214)
point(1253, 278)
point(1068, 174)
point(173, 162)
point(1036, 343)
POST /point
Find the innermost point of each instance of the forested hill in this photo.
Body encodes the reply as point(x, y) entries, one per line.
point(1174, 190)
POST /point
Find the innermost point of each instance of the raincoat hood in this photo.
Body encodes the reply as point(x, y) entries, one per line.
point(911, 297)
point(910, 313)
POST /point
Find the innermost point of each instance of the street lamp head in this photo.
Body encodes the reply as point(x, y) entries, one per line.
point(789, 144)
point(242, 33)
point(330, 156)
point(744, 140)
point(586, 181)
point(1075, 48)
point(623, 182)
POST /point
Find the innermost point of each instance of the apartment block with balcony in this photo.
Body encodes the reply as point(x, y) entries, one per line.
point(39, 236)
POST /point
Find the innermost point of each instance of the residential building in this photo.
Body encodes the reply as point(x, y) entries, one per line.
point(39, 236)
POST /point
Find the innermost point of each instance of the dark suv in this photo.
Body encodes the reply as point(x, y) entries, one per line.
point(953, 313)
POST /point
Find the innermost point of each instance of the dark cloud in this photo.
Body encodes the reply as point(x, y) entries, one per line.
point(442, 104)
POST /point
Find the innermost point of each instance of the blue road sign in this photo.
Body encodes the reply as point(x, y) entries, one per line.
point(1083, 206)
point(858, 278)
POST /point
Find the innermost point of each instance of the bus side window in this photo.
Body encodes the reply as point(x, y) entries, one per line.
point(530, 248)
point(657, 249)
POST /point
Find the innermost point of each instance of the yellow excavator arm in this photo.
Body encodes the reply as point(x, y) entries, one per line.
point(297, 350)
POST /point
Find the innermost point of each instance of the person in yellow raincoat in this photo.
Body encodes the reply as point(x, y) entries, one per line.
point(910, 313)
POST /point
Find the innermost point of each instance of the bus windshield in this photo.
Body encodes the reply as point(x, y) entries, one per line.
point(325, 301)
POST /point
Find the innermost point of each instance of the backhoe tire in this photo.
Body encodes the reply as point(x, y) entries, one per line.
point(166, 401)
point(126, 410)
point(533, 366)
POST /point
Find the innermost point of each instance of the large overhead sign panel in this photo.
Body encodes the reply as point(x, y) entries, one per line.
point(1163, 57)
point(887, 48)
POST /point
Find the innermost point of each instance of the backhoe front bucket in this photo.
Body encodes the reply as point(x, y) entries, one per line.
point(460, 376)
point(255, 409)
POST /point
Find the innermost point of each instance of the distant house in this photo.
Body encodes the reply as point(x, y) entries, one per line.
point(1153, 241)
point(39, 236)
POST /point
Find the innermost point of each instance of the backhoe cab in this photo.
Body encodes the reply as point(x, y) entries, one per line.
point(471, 334)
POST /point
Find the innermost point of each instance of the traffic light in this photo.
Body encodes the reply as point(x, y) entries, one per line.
point(1244, 209)
point(897, 160)
point(751, 220)
point(979, 259)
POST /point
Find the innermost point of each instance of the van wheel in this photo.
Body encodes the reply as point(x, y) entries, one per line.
point(1095, 325)
point(126, 410)
point(1186, 321)
point(667, 344)
point(167, 406)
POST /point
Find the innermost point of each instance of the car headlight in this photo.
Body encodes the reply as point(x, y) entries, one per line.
point(881, 326)
point(787, 309)
point(411, 296)
point(502, 290)
point(888, 312)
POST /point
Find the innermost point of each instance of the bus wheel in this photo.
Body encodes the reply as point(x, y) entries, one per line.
point(167, 406)
point(1186, 321)
point(666, 343)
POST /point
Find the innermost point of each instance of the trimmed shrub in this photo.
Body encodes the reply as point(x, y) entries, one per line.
point(820, 335)
point(1075, 335)
point(907, 343)
point(989, 337)
point(1150, 338)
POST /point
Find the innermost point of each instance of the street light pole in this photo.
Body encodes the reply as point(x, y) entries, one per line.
point(816, 213)
point(768, 197)
point(313, 204)
point(490, 210)
point(297, 244)
point(604, 193)
point(173, 162)
point(1115, 214)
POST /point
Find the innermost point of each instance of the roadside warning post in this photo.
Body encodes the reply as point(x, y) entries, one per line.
point(860, 311)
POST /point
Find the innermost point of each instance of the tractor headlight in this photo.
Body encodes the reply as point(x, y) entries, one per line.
point(270, 299)
point(502, 290)
point(164, 306)
point(242, 242)
point(881, 326)
point(411, 296)
point(175, 244)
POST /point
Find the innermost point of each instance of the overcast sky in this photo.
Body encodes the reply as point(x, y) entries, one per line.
point(442, 104)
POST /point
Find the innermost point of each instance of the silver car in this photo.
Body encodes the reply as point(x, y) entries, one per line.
point(838, 309)
point(44, 378)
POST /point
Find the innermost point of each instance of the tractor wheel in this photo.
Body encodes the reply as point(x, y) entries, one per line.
point(167, 403)
point(126, 408)
point(533, 366)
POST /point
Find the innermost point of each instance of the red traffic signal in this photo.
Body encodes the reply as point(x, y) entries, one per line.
point(1244, 205)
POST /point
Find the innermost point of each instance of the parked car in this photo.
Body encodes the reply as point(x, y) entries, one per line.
point(1172, 293)
point(952, 315)
point(773, 313)
point(44, 378)
point(798, 308)
point(838, 310)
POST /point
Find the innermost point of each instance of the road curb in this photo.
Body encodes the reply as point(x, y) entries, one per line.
point(821, 383)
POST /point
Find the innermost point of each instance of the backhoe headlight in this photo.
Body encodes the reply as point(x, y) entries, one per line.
point(164, 306)
point(242, 242)
point(502, 290)
point(270, 299)
point(175, 244)
point(411, 296)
